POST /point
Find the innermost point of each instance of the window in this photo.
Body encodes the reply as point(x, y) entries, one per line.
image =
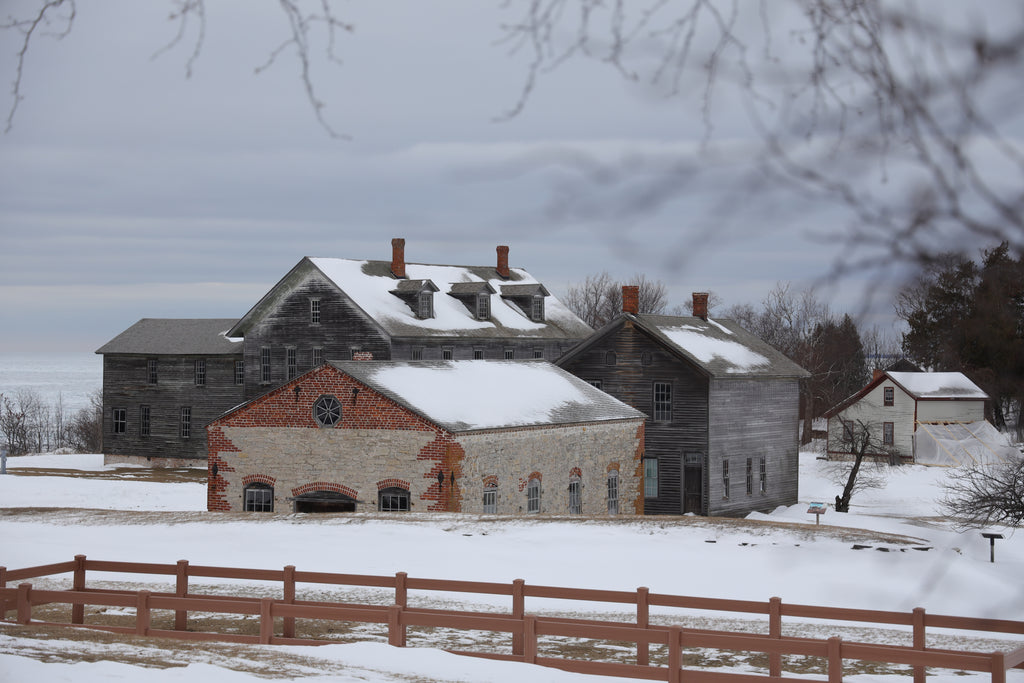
point(239, 372)
point(186, 422)
point(447, 353)
point(537, 309)
point(478, 354)
point(258, 497)
point(575, 496)
point(417, 353)
point(265, 365)
point(290, 362)
point(750, 476)
point(143, 421)
point(490, 499)
point(510, 354)
point(538, 353)
point(483, 306)
point(533, 495)
point(650, 477)
point(426, 305)
point(151, 370)
point(887, 433)
point(595, 383)
point(393, 499)
point(725, 479)
point(763, 467)
point(610, 358)
point(200, 372)
point(613, 492)
point(318, 356)
point(889, 396)
point(314, 311)
point(120, 417)
point(662, 402)
point(327, 411)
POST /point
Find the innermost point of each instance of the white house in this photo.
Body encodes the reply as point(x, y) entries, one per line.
point(895, 405)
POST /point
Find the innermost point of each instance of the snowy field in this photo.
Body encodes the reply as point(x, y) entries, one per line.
point(752, 559)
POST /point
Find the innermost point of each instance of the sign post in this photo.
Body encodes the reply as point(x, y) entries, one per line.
point(3, 459)
point(991, 544)
point(817, 509)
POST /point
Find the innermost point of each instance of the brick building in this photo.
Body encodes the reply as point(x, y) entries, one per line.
point(470, 436)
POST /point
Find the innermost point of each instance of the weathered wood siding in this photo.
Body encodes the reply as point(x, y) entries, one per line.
point(343, 329)
point(126, 386)
point(464, 348)
point(631, 380)
point(753, 418)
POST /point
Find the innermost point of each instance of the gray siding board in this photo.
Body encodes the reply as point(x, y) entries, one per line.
point(751, 418)
point(125, 385)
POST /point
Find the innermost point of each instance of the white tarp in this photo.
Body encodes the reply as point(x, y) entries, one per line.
point(961, 443)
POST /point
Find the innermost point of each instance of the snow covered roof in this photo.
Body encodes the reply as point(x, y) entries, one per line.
point(378, 293)
point(721, 348)
point(937, 385)
point(175, 336)
point(471, 395)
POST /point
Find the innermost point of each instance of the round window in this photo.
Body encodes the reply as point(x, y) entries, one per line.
point(327, 411)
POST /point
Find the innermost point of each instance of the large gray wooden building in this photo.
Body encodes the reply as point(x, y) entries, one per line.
point(165, 380)
point(722, 407)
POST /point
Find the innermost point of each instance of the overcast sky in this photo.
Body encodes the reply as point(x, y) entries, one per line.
point(128, 190)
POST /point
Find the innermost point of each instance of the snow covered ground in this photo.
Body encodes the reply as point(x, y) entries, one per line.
point(744, 559)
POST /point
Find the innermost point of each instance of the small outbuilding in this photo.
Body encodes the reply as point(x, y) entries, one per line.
point(472, 436)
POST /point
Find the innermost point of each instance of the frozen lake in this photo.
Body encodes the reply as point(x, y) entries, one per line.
point(70, 376)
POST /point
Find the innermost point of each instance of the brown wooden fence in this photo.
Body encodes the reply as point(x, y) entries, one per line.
point(277, 618)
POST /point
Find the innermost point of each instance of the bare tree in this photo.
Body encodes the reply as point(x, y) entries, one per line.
point(864, 470)
point(56, 18)
point(982, 495)
point(903, 113)
point(598, 299)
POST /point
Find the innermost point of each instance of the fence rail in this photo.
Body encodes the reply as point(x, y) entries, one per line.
point(277, 618)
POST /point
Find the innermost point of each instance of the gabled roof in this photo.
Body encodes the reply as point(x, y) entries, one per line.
point(471, 395)
point(922, 386)
point(175, 337)
point(718, 348)
point(372, 287)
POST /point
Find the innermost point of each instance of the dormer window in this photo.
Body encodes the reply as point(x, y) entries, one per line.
point(425, 305)
point(483, 306)
point(537, 309)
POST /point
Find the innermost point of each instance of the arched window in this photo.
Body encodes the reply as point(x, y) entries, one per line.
point(327, 411)
point(613, 492)
point(258, 497)
point(610, 358)
point(575, 495)
point(393, 499)
point(490, 499)
point(533, 495)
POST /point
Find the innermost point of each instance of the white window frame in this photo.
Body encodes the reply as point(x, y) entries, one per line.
point(483, 306)
point(185, 422)
point(575, 495)
point(314, 311)
point(425, 305)
point(239, 372)
point(763, 467)
point(651, 483)
point(661, 395)
point(613, 492)
point(533, 494)
point(318, 356)
point(258, 497)
point(145, 425)
point(490, 499)
point(537, 308)
point(393, 499)
point(119, 420)
point(265, 365)
point(291, 362)
point(200, 372)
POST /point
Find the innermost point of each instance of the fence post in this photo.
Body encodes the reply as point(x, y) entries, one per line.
point(181, 590)
point(642, 621)
point(675, 654)
point(266, 621)
point(3, 584)
point(998, 667)
point(835, 660)
point(518, 610)
point(919, 642)
point(24, 603)
point(401, 590)
point(78, 611)
point(530, 639)
point(142, 613)
point(396, 630)
point(289, 598)
point(775, 631)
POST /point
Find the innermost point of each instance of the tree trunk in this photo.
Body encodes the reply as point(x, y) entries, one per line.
point(843, 501)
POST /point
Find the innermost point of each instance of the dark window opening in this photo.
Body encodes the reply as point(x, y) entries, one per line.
point(258, 497)
point(393, 499)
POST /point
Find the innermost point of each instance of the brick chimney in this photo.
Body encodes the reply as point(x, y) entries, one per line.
point(700, 305)
point(398, 257)
point(876, 373)
point(503, 262)
point(631, 299)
